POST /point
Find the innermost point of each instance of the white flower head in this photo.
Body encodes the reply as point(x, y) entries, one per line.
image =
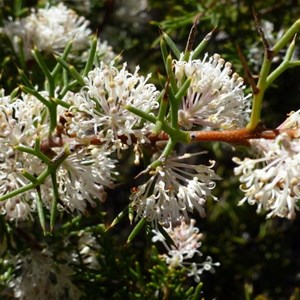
point(21, 120)
point(105, 52)
point(83, 177)
point(215, 97)
point(187, 241)
point(50, 29)
point(133, 12)
point(89, 249)
point(173, 190)
point(38, 276)
point(196, 269)
point(272, 180)
point(99, 109)
point(20, 124)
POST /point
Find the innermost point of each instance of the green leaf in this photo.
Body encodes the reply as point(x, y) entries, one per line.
point(118, 218)
point(197, 293)
point(40, 210)
point(138, 227)
point(172, 45)
point(90, 60)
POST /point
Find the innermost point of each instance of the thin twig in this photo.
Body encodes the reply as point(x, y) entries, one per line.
point(267, 47)
point(248, 73)
point(240, 136)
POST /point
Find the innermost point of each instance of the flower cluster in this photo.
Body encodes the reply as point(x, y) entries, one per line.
point(272, 180)
point(20, 124)
point(81, 177)
point(89, 250)
point(187, 241)
point(50, 29)
point(215, 97)
point(38, 276)
point(174, 189)
point(132, 12)
point(99, 109)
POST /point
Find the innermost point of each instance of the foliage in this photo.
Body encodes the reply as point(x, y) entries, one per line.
point(109, 252)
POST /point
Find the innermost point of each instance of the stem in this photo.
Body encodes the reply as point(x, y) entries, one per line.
point(136, 230)
point(162, 111)
point(170, 74)
point(91, 57)
point(183, 90)
point(202, 45)
point(239, 135)
point(197, 293)
point(40, 210)
point(55, 199)
point(67, 86)
point(258, 97)
point(72, 70)
point(168, 149)
point(25, 79)
point(172, 45)
point(286, 63)
point(174, 110)
point(58, 66)
point(263, 84)
point(40, 179)
point(176, 134)
point(52, 116)
point(51, 169)
point(36, 94)
point(276, 73)
point(164, 51)
point(34, 152)
point(287, 37)
point(61, 103)
point(118, 218)
point(41, 62)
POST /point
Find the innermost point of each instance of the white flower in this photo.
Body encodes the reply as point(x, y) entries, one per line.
point(173, 189)
point(215, 98)
point(88, 249)
point(50, 29)
point(21, 120)
point(100, 107)
point(292, 122)
point(272, 181)
point(83, 176)
point(105, 52)
point(131, 11)
point(20, 124)
point(38, 277)
point(196, 269)
point(187, 241)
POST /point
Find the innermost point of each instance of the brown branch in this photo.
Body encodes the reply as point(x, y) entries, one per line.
point(248, 73)
point(239, 136)
point(29, 238)
point(267, 48)
point(191, 38)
